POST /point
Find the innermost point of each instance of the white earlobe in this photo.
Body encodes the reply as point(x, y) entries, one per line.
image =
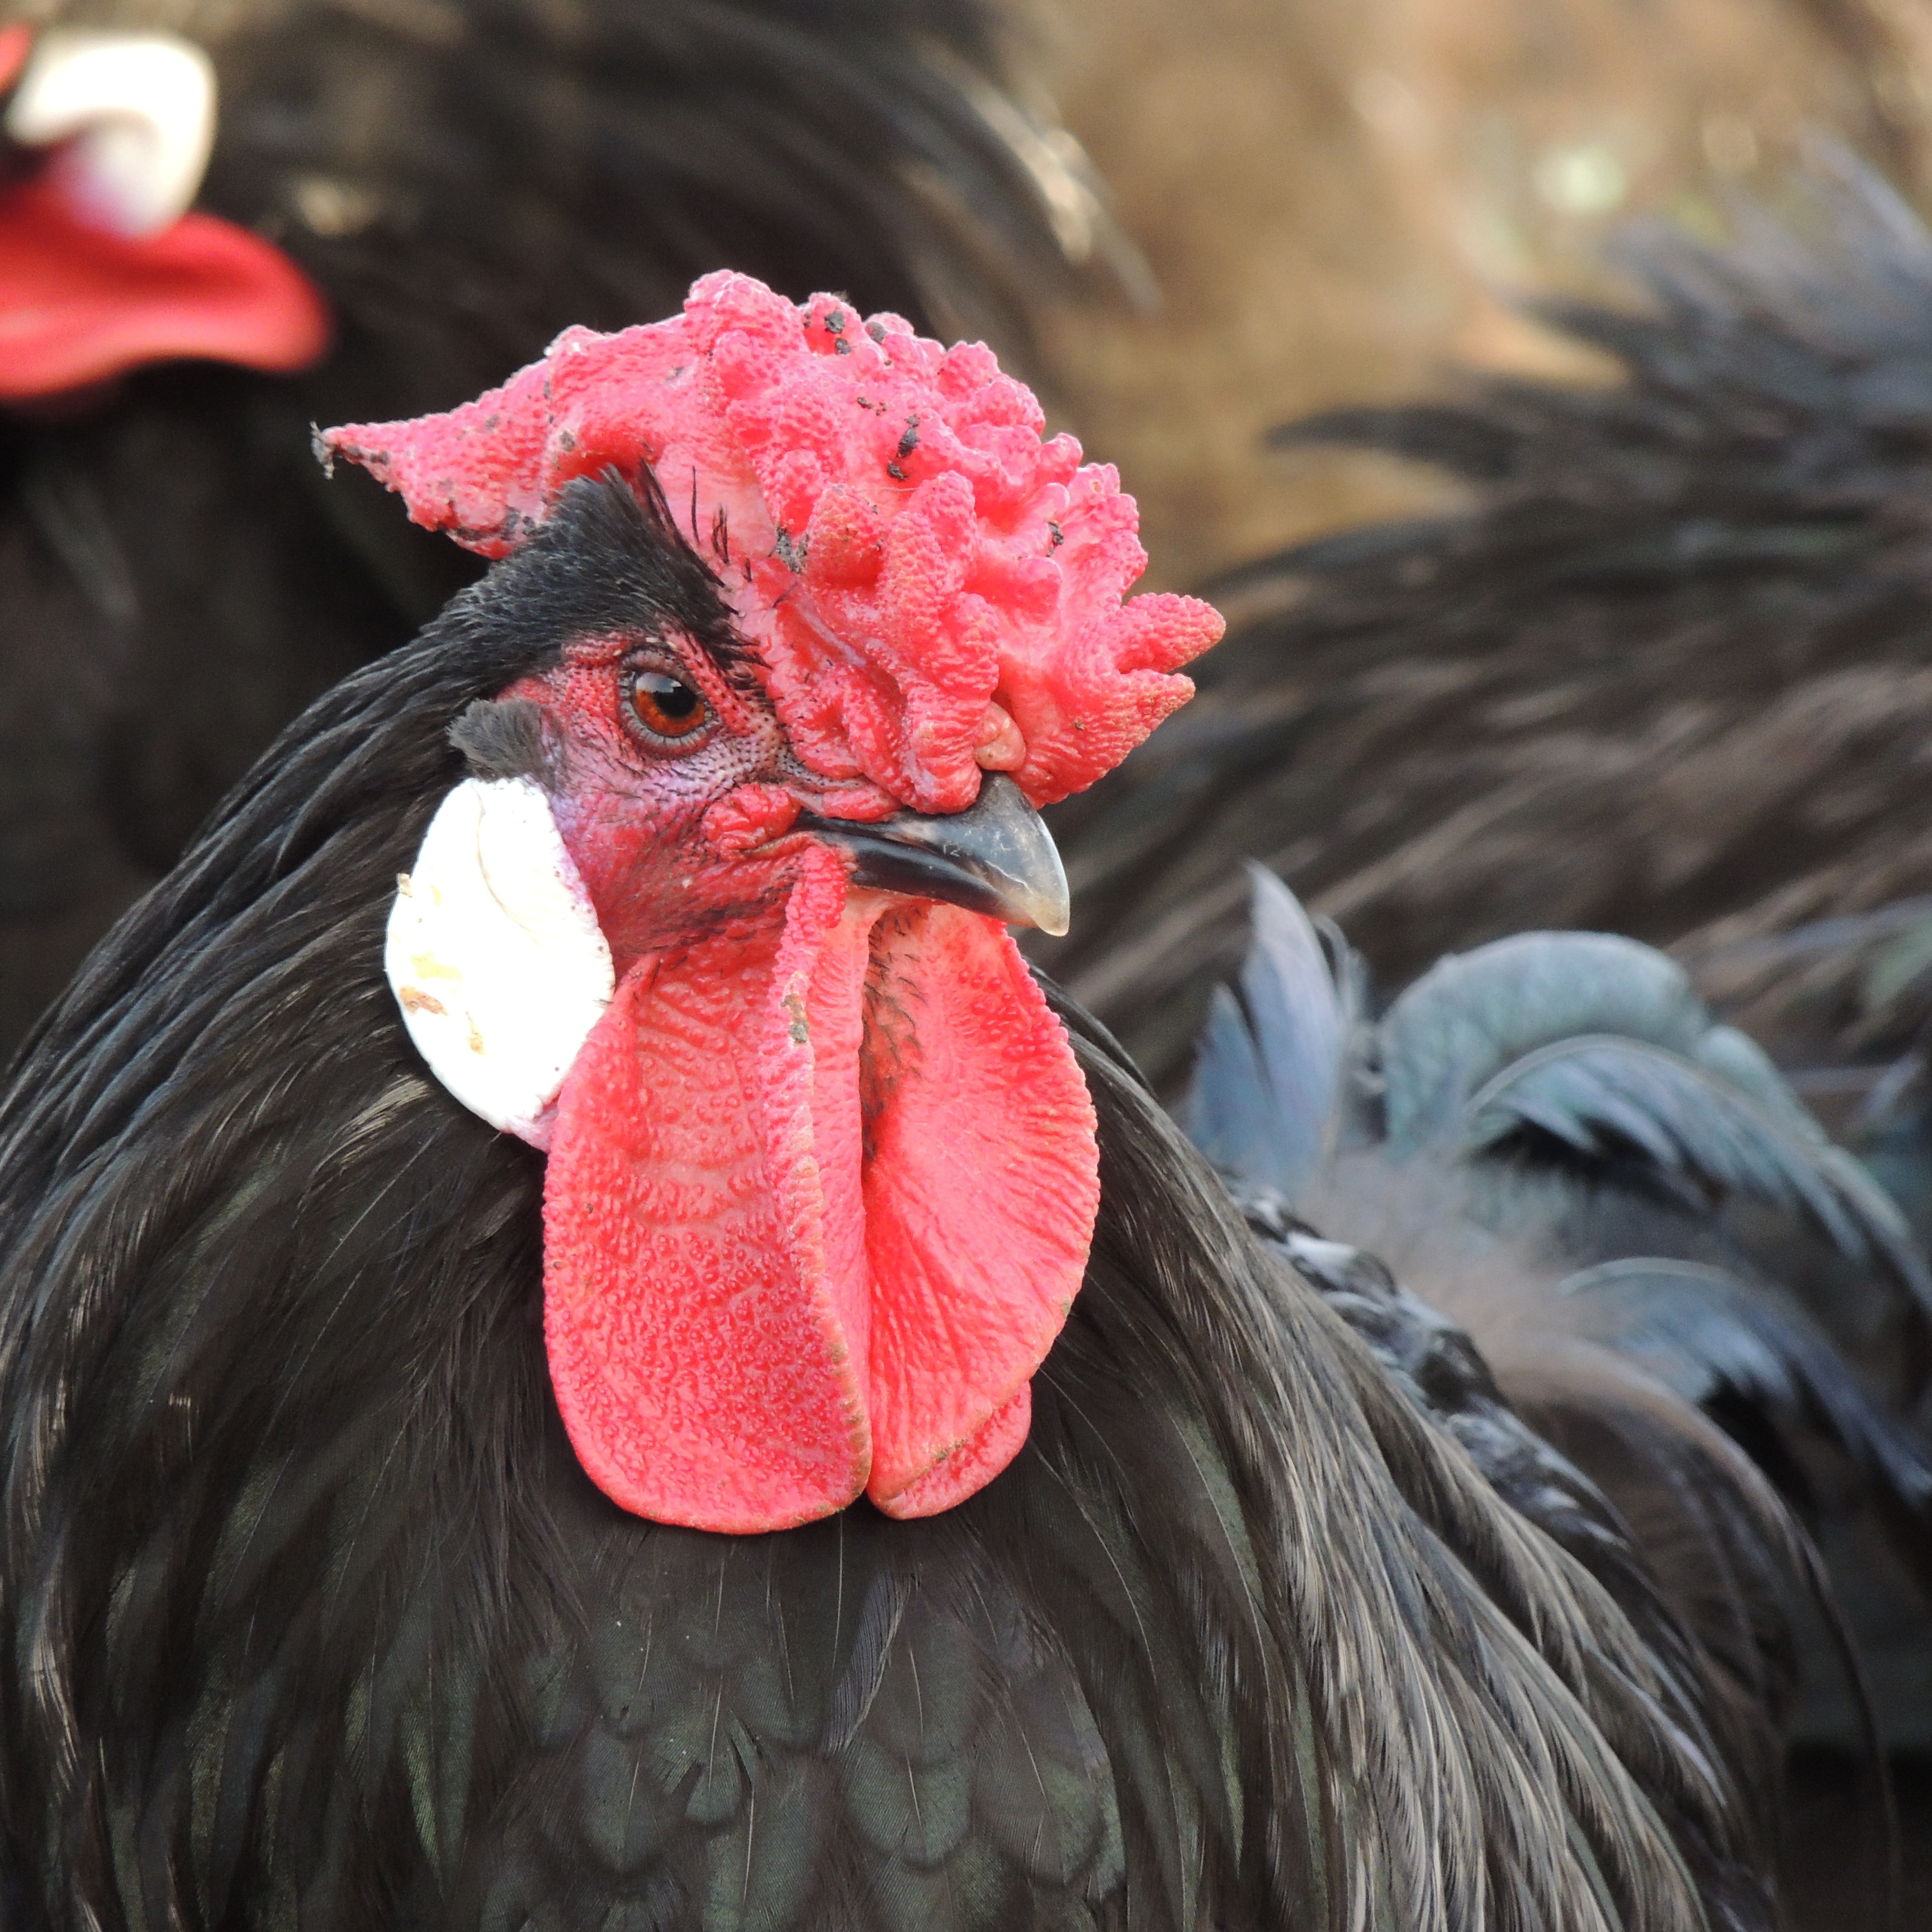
point(495, 956)
point(139, 109)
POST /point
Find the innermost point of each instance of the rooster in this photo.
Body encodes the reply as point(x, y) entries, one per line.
point(581, 1343)
point(431, 191)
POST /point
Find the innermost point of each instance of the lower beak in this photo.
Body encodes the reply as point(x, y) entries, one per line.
point(996, 857)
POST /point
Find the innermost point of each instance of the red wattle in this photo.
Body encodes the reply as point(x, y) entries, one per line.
point(969, 1467)
point(820, 1197)
point(981, 1189)
point(78, 306)
point(704, 1300)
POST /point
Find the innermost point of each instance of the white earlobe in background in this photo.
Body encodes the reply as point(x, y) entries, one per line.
point(495, 956)
point(138, 112)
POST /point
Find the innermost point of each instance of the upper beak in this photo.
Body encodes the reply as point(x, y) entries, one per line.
point(996, 857)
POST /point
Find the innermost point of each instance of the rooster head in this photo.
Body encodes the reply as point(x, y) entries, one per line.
point(104, 137)
point(720, 918)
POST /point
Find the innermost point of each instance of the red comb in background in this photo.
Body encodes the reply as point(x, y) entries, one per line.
point(903, 545)
point(79, 306)
point(16, 43)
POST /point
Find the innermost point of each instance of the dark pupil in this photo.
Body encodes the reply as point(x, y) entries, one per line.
point(668, 695)
point(662, 700)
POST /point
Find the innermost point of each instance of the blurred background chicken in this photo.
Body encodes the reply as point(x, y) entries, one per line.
point(1339, 205)
point(1664, 677)
point(1640, 654)
point(1617, 1208)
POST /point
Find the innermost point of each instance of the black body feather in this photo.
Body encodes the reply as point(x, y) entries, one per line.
point(462, 179)
point(310, 1618)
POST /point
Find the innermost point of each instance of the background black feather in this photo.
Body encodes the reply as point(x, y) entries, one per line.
point(1668, 676)
point(462, 179)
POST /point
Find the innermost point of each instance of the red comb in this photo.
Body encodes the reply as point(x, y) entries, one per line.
point(898, 540)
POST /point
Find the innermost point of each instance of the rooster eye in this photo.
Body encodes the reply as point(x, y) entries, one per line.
point(666, 706)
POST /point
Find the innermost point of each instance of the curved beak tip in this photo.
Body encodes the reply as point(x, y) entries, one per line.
point(1050, 912)
point(996, 857)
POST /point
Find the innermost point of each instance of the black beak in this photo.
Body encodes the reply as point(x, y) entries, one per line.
point(996, 857)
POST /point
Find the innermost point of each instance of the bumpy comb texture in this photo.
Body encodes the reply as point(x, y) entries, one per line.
point(902, 543)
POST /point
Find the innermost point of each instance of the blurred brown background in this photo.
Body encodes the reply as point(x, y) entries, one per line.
point(1336, 203)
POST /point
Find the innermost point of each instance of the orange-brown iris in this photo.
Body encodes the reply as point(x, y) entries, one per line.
point(666, 706)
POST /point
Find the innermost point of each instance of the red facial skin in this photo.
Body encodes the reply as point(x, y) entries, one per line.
point(824, 1177)
point(638, 814)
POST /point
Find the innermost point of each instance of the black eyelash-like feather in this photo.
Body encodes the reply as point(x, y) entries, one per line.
point(612, 559)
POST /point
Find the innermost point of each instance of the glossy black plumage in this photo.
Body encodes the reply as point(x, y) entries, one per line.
point(310, 1618)
point(1677, 1532)
point(462, 179)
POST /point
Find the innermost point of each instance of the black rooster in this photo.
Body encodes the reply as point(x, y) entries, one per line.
point(460, 179)
point(317, 1609)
